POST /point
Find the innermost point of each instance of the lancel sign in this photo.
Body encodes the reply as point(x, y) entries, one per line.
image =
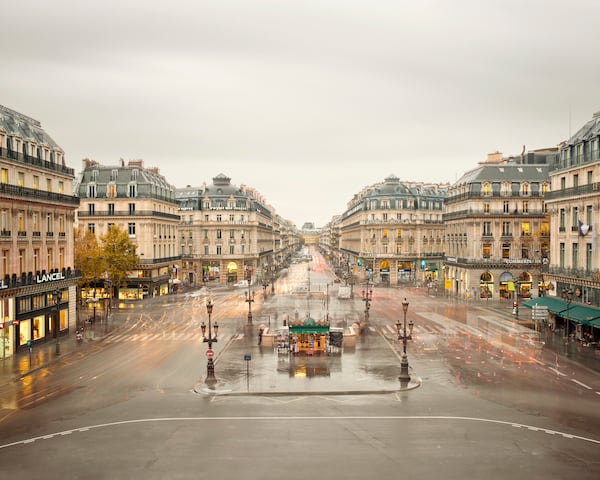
point(50, 277)
point(41, 278)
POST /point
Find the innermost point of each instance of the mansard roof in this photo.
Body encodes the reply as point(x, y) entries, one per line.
point(15, 123)
point(590, 130)
point(505, 172)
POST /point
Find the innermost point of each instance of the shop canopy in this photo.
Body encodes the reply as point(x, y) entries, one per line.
point(308, 326)
point(577, 313)
point(554, 305)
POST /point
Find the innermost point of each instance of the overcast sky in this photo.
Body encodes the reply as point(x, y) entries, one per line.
point(307, 101)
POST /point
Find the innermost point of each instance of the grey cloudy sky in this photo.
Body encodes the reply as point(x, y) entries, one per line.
point(307, 101)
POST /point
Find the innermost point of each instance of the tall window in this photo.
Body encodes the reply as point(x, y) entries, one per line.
point(525, 207)
point(506, 229)
point(525, 231)
point(4, 178)
point(36, 182)
point(91, 190)
point(111, 190)
point(92, 227)
point(575, 255)
point(231, 249)
point(589, 214)
point(91, 209)
point(131, 229)
point(49, 226)
point(111, 208)
point(588, 257)
point(562, 220)
point(486, 207)
point(219, 250)
point(487, 228)
point(561, 255)
point(506, 250)
point(131, 207)
point(505, 207)
point(575, 217)
point(132, 190)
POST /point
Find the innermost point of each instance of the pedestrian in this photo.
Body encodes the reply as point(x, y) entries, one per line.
point(260, 334)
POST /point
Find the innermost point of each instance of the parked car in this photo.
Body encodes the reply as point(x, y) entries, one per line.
point(241, 284)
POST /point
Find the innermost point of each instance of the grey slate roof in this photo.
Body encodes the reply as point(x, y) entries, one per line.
point(15, 123)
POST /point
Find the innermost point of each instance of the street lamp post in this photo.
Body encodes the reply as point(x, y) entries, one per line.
point(367, 297)
point(56, 308)
point(249, 299)
point(567, 296)
point(210, 366)
point(401, 328)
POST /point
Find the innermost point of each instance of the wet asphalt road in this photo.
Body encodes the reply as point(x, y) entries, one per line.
point(489, 403)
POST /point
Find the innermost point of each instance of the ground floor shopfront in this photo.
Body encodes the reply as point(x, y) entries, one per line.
point(36, 314)
point(308, 337)
point(495, 282)
point(393, 271)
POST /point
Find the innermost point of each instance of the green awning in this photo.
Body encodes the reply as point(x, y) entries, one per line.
point(574, 312)
point(581, 314)
point(304, 329)
point(554, 304)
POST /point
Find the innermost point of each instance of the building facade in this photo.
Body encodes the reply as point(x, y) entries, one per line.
point(140, 201)
point(392, 233)
point(497, 229)
point(228, 233)
point(574, 206)
point(37, 208)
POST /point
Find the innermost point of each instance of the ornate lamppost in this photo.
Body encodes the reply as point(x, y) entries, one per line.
point(367, 297)
point(404, 375)
point(567, 296)
point(57, 313)
point(249, 299)
point(210, 366)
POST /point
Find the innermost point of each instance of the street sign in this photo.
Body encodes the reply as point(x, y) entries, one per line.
point(247, 357)
point(210, 353)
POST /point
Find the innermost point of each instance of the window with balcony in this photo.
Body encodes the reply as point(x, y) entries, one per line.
point(4, 178)
point(131, 208)
point(563, 183)
point(21, 179)
point(91, 209)
point(575, 218)
point(562, 220)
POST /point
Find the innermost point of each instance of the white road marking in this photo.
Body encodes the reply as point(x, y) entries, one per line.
point(582, 384)
point(557, 372)
point(307, 418)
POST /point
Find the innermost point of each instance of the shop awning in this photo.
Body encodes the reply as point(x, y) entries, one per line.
point(305, 329)
point(581, 314)
point(554, 304)
point(576, 313)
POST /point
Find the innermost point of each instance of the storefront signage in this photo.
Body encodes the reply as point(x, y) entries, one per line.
point(517, 260)
point(2, 284)
point(50, 277)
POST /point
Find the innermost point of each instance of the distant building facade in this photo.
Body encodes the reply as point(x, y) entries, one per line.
point(497, 229)
point(37, 208)
point(140, 201)
point(228, 233)
point(392, 233)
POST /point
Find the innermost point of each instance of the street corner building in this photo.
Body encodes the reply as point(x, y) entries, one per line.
point(37, 208)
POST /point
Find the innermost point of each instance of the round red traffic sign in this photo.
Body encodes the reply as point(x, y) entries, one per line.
point(210, 353)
